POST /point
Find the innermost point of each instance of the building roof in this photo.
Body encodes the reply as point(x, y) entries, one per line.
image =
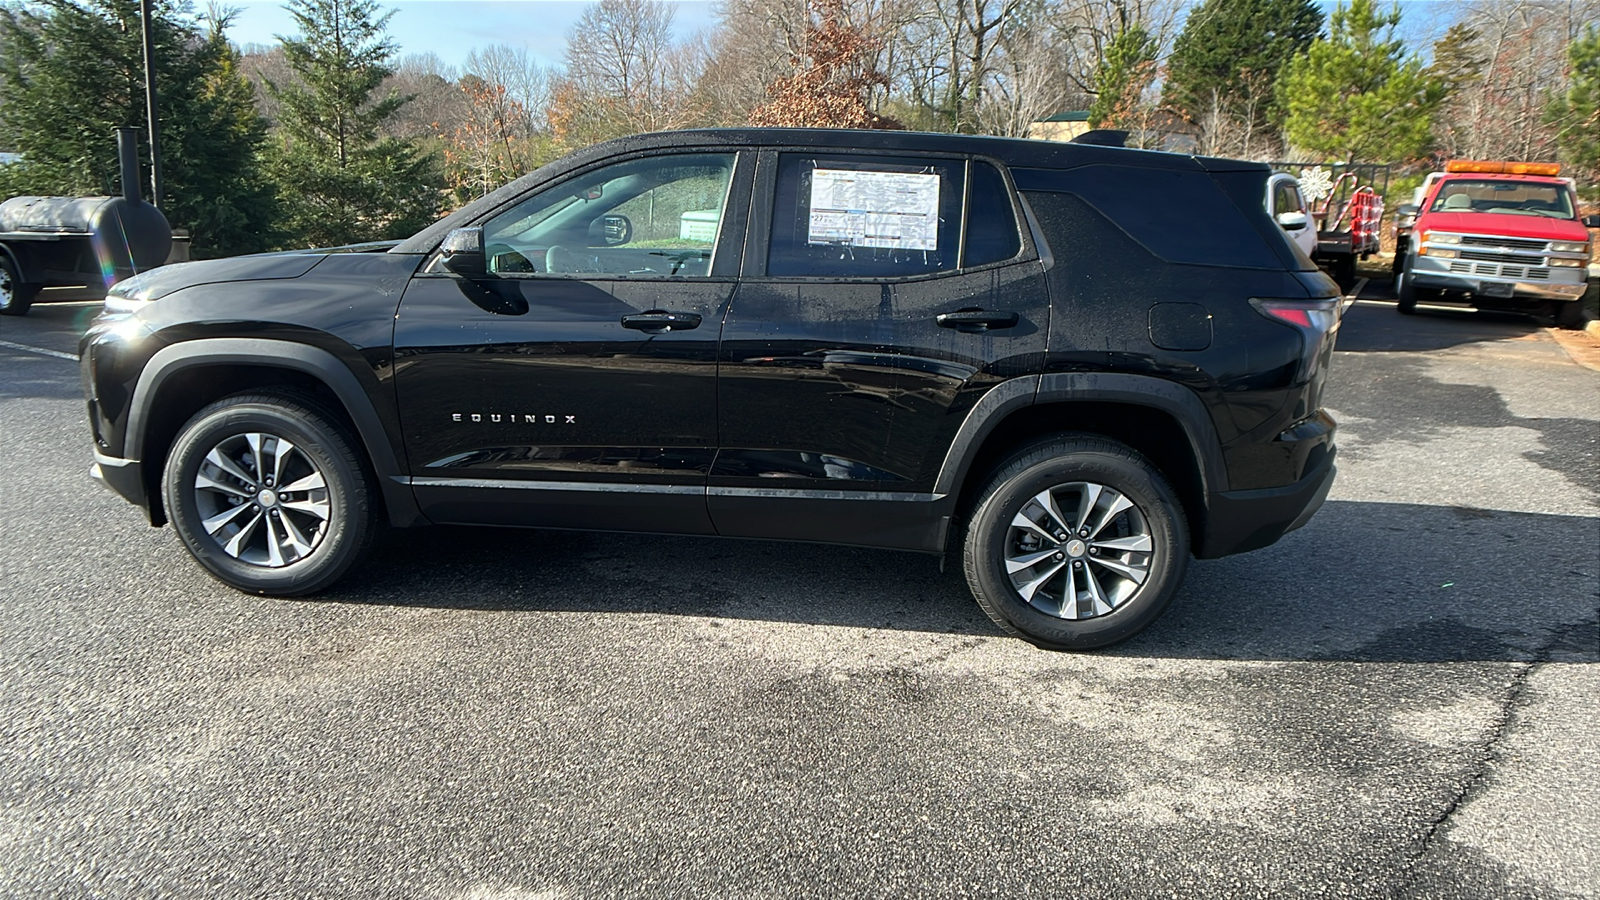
point(1071, 115)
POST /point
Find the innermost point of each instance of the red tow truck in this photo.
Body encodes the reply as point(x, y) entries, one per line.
point(1495, 235)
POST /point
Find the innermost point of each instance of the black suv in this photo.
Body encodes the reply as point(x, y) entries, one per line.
point(1081, 364)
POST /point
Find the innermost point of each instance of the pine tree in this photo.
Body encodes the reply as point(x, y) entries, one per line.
point(342, 181)
point(1230, 54)
point(1127, 69)
point(1357, 95)
point(73, 70)
point(1577, 114)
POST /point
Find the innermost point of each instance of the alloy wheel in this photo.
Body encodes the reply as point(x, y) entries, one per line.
point(262, 499)
point(1078, 550)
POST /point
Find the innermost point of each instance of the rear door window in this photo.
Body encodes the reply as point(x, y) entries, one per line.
point(865, 216)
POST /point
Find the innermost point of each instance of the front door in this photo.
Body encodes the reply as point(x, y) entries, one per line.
point(575, 384)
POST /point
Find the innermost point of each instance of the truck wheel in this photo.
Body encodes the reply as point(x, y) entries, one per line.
point(1406, 292)
point(15, 297)
point(1344, 272)
point(1076, 543)
point(268, 495)
point(1569, 315)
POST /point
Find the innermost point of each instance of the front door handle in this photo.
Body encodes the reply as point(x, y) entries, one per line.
point(661, 321)
point(972, 321)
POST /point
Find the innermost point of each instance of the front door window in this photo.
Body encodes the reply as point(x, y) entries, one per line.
point(655, 217)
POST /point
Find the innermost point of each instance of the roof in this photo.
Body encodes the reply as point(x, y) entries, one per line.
point(1071, 115)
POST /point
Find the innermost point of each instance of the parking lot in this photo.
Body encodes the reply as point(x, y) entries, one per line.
point(1398, 700)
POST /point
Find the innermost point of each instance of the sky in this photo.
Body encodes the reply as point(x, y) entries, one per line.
point(453, 28)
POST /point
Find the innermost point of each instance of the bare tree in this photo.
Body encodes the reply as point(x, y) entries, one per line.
point(526, 82)
point(624, 73)
point(834, 76)
point(436, 100)
point(1519, 50)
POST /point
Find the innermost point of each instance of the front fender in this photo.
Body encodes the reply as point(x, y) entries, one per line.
point(380, 445)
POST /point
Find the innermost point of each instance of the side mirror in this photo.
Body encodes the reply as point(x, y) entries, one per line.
point(1591, 221)
point(612, 231)
point(1294, 220)
point(462, 252)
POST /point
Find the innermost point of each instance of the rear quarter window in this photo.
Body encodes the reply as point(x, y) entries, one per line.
point(1180, 216)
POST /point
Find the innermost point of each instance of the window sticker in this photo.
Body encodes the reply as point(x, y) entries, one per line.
point(895, 210)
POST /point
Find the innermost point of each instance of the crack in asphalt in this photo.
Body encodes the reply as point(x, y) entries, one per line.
point(1487, 758)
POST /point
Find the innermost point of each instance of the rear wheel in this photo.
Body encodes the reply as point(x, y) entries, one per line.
point(1344, 271)
point(1076, 543)
point(15, 297)
point(267, 493)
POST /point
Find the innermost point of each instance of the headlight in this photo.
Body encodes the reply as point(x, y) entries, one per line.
point(1434, 237)
point(129, 294)
point(1567, 263)
point(1443, 254)
point(118, 305)
point(1570, 246)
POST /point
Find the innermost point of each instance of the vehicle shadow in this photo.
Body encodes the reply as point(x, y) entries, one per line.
point(1364, 582)
point(1373, 325)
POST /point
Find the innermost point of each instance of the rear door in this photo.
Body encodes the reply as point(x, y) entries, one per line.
point(574, 385)
point(882, 296)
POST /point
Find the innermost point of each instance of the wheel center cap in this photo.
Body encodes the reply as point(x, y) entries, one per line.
point(1076, 548)
point(267, 498)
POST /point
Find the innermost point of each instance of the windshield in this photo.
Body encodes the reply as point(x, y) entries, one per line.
point(1516, 197)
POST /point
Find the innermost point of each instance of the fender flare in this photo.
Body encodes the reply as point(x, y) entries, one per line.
point(304, 358)
point(1133, 390)
point(16, 261)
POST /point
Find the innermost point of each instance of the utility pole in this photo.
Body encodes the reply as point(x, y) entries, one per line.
point(150, 102)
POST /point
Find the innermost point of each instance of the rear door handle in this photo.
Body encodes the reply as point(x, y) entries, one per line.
point(976, 320)
point(660, 321)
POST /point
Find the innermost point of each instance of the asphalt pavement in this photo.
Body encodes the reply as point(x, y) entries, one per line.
point(1399, 700)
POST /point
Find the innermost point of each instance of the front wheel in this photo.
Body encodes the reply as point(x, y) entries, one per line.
point(267, 493)
point(1076, 543)
point(1569, 315)
point(1406, 292)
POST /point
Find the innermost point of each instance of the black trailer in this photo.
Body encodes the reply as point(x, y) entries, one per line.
point(83, 243)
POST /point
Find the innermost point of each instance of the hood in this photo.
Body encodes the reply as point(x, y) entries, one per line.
point(157, 283)
point(1504, 224)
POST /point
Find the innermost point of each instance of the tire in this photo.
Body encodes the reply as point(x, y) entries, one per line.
point(1569, 315)
point(1406, 293)
point(15, 297)
point(300, 543)
point(1344, 272)
point(1134, 557)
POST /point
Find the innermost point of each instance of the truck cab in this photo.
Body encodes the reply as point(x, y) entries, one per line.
point(1497, 235)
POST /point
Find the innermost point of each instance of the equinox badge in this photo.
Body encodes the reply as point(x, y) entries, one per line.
point(512, 419)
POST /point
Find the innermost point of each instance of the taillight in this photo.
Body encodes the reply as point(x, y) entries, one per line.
point(1320, 315)
point(1316, 320)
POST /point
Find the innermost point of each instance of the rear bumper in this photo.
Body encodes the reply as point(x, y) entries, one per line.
point(1239, 521)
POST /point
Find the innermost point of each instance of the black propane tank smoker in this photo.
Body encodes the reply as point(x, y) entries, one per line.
point(84, 243)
